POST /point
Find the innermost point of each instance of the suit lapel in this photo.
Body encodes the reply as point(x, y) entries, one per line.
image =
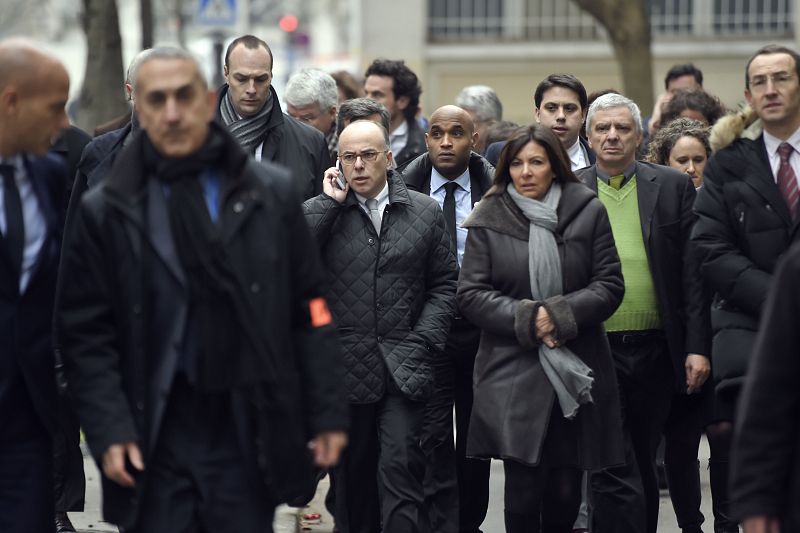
point(758, 174)
point(647, 187)
point(40, 184)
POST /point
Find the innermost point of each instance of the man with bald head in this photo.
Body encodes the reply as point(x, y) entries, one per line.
point(456, 488)
point(204, 368)
point(33, 92)
point(392, 272)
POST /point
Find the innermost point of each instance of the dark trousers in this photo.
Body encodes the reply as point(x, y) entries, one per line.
point(196, 480)
point(682, 433)
point(456, 488)
point(378, 481)
point(625, 498)
point(539, 498)
point(69, 481)
point(26, 466)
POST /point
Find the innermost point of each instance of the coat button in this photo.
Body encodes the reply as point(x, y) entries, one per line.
point(379, 307)
point(380, 340)
point(255, 288)
point(371, 241)
point(238, 207)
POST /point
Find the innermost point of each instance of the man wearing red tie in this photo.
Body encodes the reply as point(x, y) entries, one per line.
point(747, 218)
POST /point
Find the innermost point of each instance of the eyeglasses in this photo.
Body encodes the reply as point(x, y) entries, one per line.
point(779, 79)
point(349, 158)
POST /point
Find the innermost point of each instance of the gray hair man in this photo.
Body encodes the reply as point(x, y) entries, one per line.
point(243, 356)
point(311, 97)
point(659, 335)
point(485, 108)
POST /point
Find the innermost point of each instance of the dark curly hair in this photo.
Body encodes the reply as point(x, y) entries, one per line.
point(665, 138)
point(406, 82)
point(700, 101)
point(544, 137)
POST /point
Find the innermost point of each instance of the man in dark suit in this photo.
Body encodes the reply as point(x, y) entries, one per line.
point(456, 488)
point(658, 335)
point(197, 343)
point(747, 219)
point(396, 86)
point(561, 105)
point(33, 92)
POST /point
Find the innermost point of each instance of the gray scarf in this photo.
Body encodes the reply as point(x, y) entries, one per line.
point(248, 131)
point(570, 377)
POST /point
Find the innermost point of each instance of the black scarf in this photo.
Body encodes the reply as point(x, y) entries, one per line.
point(230, 349)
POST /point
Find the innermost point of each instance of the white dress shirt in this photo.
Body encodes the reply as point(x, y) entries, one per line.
point(772, 143)
point(577, 155)
point(399, 138)
point(382, 199)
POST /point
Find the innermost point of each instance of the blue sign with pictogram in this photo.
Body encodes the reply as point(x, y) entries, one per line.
point(216, 13)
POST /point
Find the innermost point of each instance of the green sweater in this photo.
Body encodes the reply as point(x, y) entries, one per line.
point(639, 308)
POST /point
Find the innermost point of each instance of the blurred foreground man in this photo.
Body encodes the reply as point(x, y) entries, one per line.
point(33, 92)
point(196, 339)
point(766, 449)
point(456, 488)
point(392, 268)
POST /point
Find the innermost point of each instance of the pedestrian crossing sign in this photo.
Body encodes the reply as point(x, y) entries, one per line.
point(216, 12)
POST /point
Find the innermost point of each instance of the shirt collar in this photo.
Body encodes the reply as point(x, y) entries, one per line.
point(380, 198)
point(15, 161)
point(400, 130)
point(630, 170)
point(438, 181)
point(772, 143)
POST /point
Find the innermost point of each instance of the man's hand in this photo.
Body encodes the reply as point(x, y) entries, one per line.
point(761, 524)
point(328, 447)
point(331, 187)
point(698, 369)
point(659, 107)
point(114, 462)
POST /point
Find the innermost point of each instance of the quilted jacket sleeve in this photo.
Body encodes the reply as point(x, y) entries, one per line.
point(433, 323)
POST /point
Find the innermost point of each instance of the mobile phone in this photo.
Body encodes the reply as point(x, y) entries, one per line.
point(340, 181)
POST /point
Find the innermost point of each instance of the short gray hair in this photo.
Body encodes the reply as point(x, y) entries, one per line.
point(610, 100)
point(166, 52)
point(311, 85)
point(359, 109)
point(482, 100)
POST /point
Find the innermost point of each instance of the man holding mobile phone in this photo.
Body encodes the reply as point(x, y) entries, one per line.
point(392, 296)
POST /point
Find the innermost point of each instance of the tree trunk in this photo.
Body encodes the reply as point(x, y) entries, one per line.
point(628, 26)
point(102, 96)
point(146, 14)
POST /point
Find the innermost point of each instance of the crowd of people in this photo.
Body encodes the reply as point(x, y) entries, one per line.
point(232, 301)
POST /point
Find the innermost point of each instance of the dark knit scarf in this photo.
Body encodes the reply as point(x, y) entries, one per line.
point(230, 350)
point(249, 131)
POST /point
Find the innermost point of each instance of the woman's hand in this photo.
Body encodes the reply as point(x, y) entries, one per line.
point(545, 328)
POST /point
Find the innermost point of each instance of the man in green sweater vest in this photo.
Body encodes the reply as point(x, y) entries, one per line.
point(659, 335)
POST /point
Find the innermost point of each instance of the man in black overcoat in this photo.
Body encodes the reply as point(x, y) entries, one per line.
point(197, 342)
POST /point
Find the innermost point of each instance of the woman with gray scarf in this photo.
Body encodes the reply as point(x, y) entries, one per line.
point(539, 277)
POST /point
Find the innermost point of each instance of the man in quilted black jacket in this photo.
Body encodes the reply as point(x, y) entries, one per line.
point(393, 276)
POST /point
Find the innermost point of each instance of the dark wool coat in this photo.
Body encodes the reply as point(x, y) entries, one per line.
point(743, 227)
point(121, 345)
point(513, 397)
point(392, 297)
point(765, 467)
point(297, 146)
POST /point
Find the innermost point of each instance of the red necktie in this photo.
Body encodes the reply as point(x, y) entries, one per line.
point(787, 180)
